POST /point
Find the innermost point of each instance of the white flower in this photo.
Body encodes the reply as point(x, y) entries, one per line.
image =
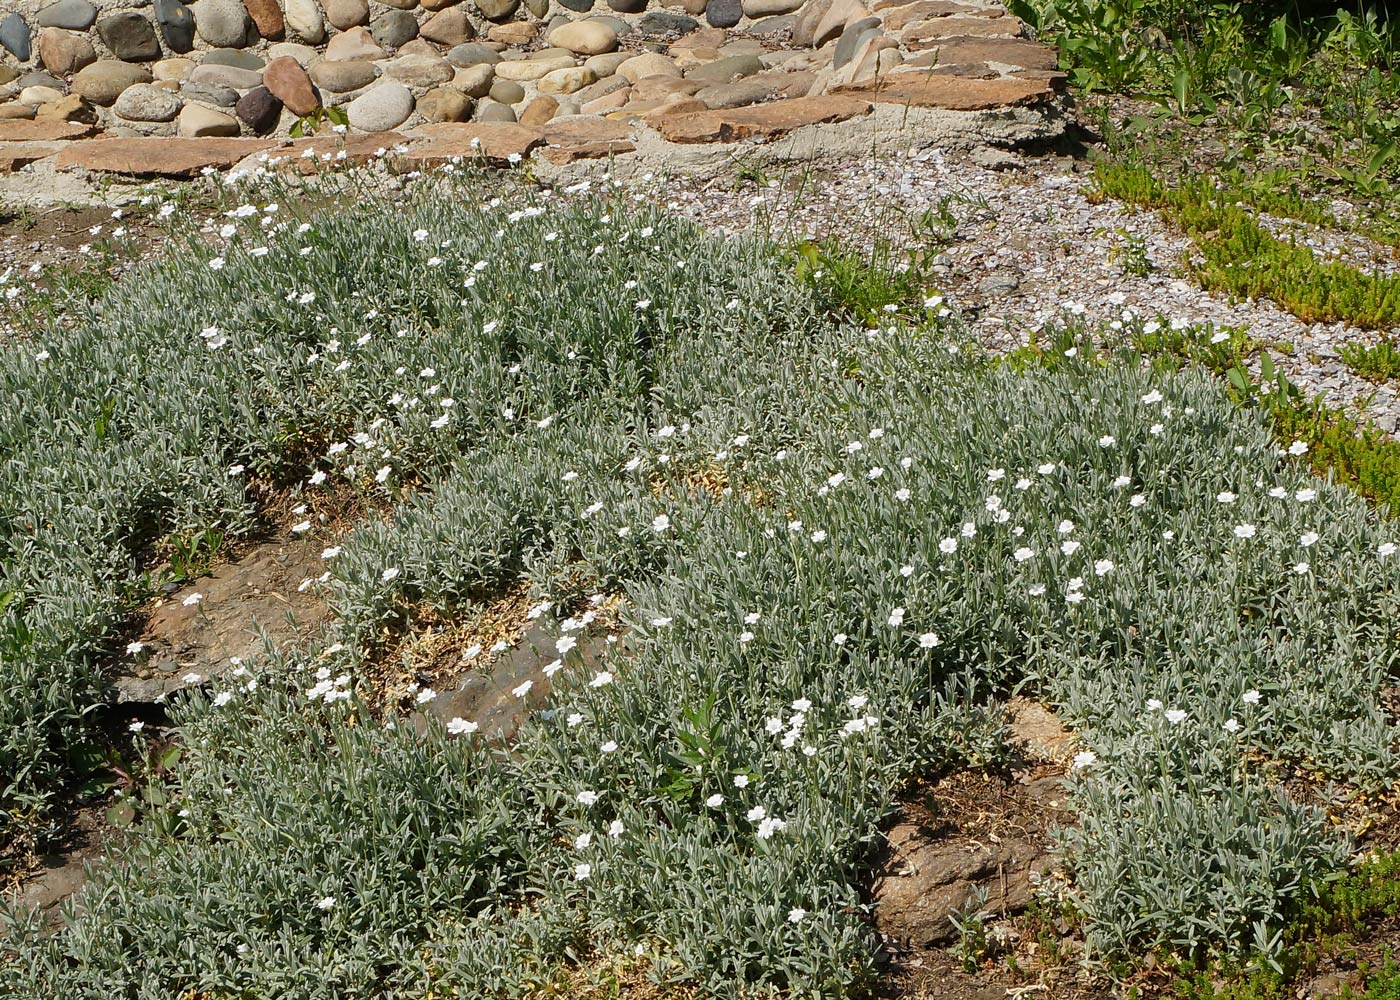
point(574, 719)
point(425, 695)
point(1174, 715)
point(995, 474)
point(601, 679)
point(325, 903)
point(1244, 531)
point(714, 801)
point(136, 727)
point(1154, 705)
point(1308, 538)
point(132, 648)
point(1045, 468)
point(1069, 547)
point(1305, 495)
point(1251, 697)
point(222, 698)
point(1103, 567)
point(1120, 482)
point(389, 574)
point(616, 829)
point(191, 678)
point(565, 643)
point(586, 798)
point(755, 814)
point(660, 523)
point(896, 618)
point(1107, 441)
point(1226, 497)
point(1385, 550)
point(1231, 726)
point(1302, 568)
point(1023, 553)
point(948, 546)
point(192, 600)
point(461, 727)
point(582, 841)
point(609, 747)
point(1083, 759)
point(840, 638)
point(903, 495)
point(1152, 397)
point(1037, 589)
point(929, 640)
point(582, 872)
point(1298, 448)
point(770, 826)
point(796, 915)
point(523, 689)
point(741, 781)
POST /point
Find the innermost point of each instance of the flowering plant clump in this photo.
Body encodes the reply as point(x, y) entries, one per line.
point(934, 531)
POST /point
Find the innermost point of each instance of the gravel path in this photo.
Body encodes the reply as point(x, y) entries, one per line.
point(1029, 242)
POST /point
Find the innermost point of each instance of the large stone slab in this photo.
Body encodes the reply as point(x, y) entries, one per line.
point(15, 155)
point(572, 139)
point(495, 142)
point(964, 51)
point(897, 15)
point(765, 121)
point(44, 130)
point(925, 34)
point(949, 93)
point(330, 152)
point(157, 157)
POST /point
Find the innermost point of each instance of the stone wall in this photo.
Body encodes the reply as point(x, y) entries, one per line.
point(254, 67)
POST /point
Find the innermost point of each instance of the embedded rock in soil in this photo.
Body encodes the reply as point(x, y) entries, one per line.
point(103, 81)
point(198, 122)
point(305, 19)
point(76, 15)
point(259, 109)
point(15, 36)
point(346, 14)
point(449, 27)
point(445, 104)
point(724, 13)
point(176, 24)
point(380, 109)
point(147, 102)
point(287, 81)
point(211, 93)
point(984, 834)
point(222, 23)
point(65, 52)
point(485, 695)
point(394, 28)
point(267, 18)
point(257, 593)
point(344, 77)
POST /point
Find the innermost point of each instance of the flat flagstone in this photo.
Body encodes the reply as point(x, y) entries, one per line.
point(160, 157)
point(950, 93)
point(925, 34)
point(586, 139)
point(764, 121)
point(43, 130)
point(308, 156)
point(15, 155)
point(1004, 51)
point(495, 142)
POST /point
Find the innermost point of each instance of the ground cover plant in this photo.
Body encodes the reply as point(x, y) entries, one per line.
point(836, 549)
